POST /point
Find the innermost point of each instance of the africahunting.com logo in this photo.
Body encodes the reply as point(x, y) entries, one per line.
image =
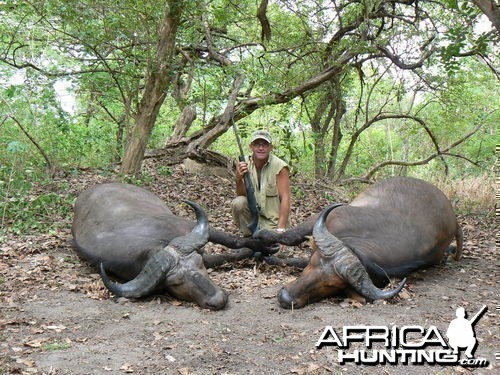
point(411, 344)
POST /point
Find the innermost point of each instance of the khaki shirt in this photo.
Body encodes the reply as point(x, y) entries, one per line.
point(266, 190)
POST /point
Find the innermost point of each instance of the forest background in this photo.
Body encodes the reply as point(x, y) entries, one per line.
point(351, 90)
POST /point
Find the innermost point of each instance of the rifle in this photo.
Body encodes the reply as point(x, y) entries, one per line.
point(252, 201)
point(478, 315)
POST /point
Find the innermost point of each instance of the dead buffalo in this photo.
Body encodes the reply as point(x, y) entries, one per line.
point(130, 232)
point(393, 228)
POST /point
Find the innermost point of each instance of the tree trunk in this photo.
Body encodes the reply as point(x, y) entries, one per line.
point(491, 10)
point(158, 80)
point(331, 108)
point(349, 151)
point(335, 144)
point(219, 124)
point(340, 110)
point(319, 155)
point(182, 125)
point(123, 125)
point(405, 155)
point(195, 144)
point(318, 130)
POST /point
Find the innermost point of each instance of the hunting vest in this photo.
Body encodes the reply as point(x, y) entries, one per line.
point(266, 190)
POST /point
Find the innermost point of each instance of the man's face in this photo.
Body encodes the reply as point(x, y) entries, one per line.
point(261, 149)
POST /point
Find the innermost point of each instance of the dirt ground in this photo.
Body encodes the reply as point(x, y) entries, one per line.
point(57, 318)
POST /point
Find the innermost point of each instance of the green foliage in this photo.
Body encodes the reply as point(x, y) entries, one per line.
point(22, 213)
point(56, 346)
point(298, 193)
point(144, 179)
point(165, 170)
point(20, 210)
point(25, 215)
point(106, 60)
point(330, 197)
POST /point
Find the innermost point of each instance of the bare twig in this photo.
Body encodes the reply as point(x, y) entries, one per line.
point(214, 54)
point(35, 143)
point(28, 135)
point(439, 152)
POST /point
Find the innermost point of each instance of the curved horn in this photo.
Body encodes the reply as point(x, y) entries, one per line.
point(199, 235)
point(352, 270)
point(326, 242)
point(145, 282)
point(347, 264)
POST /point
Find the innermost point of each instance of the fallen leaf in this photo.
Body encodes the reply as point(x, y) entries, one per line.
point(26, 362)
point(35, 343)
point(169, 358)
point(55, 328)
point(312, 367)
point(127, 367)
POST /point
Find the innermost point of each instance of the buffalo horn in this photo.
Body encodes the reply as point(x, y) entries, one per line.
point(327, 243)
point(159, 264)
point(145, 282)
point(348, 265)
point(199, 235)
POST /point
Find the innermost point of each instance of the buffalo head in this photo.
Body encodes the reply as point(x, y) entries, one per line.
point(332, 268)
point(177, 268)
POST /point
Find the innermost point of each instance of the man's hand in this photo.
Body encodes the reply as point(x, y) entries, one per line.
point(241, 169)
point(279, 231)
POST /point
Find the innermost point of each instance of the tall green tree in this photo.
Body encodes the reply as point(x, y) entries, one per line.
point(158, 78)
point(219, 60)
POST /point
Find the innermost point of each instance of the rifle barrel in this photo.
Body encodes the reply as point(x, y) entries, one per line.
point(238, 140)
point(252, 201)
point(479, 313)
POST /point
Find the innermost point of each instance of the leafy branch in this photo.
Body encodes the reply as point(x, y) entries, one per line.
point(27, 134)
point(439, 152)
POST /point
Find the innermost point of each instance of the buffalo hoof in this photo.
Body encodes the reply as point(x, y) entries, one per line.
point(266, 236)
point(274, 261)
point(258, 255)
point(270, 250)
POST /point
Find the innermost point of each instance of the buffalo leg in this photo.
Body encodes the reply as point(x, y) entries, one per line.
point(214, 260)
point(293, 262)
